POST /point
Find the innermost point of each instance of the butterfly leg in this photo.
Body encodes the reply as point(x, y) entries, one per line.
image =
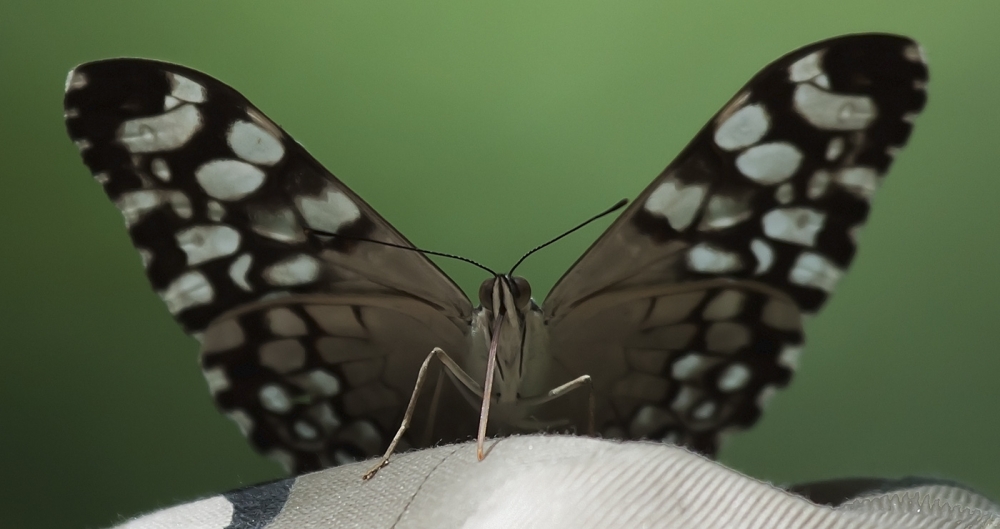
point(556, 392)
point(455, 370)
point(428, 437)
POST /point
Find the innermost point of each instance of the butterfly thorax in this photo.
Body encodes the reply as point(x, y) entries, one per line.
point(521, 355)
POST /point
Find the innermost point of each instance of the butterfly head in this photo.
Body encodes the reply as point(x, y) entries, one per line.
point(503, 294)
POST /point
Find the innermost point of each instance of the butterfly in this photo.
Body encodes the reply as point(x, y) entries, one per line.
point(682, 319)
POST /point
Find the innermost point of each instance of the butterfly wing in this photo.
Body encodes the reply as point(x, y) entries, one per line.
point(320, 380)
point(687, 310)
point(219, 201)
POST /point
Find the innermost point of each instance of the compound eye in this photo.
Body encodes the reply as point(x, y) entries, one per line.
point(486, 294)
point(522, 294)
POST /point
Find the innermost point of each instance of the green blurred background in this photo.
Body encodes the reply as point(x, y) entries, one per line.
point(482, 129)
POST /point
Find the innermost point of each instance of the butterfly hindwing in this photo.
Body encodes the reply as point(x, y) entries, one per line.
point(320, 380)
point(680, 363)
point(768, 199)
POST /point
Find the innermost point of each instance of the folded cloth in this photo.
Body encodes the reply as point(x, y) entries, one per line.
point(563, 481)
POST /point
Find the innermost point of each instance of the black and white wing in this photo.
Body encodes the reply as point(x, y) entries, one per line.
point(687, 311)
point(311, 344)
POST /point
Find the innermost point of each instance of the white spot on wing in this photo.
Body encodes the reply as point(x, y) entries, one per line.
point(725, 211)
point(915, 53)
point(134, 205)
point(765, 396)
point(146, 256)
point(675, 202)
point(82, 144)
point(829, 111)
point(818, 183)
point(769, 163)
point(835, 148)
point(242, 420)
point(204, 243)
point(687, 365)
point(711, 260)
point(704, 411)
point(794, 225)
point(789, 357)
point(189, 290)
point(75, 80)
point(254, 144)
point(326, 383)
point(684, 399)
point(785, 193)
point(215, 211)
point(229, 179)
point(806, 68)
point(217, 380)
point(160, 133)
point(859, 181)
point(305, 430)
point(295, 270)
point(238, 271)
point(170, 102)
point(814, 270)
point(328, 212)
point(764, 254)
point(734, 378)
point(744, 128)
point(160, 169)
point(280, 225)
point(185, 89)
point(274, 398)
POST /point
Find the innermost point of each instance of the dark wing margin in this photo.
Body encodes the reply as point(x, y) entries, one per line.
point(762, 209)
point(217, 198)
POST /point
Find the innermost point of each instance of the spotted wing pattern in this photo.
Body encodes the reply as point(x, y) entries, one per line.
point(219, 201)
point(689, 305)
point(686, 312)
point(316, 380)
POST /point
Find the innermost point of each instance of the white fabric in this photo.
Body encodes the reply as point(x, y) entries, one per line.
point(573, 482)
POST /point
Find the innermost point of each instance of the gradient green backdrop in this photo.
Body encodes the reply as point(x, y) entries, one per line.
point(482, 128)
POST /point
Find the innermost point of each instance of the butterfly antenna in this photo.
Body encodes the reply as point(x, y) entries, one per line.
point(618, 205)
point(401, 247)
